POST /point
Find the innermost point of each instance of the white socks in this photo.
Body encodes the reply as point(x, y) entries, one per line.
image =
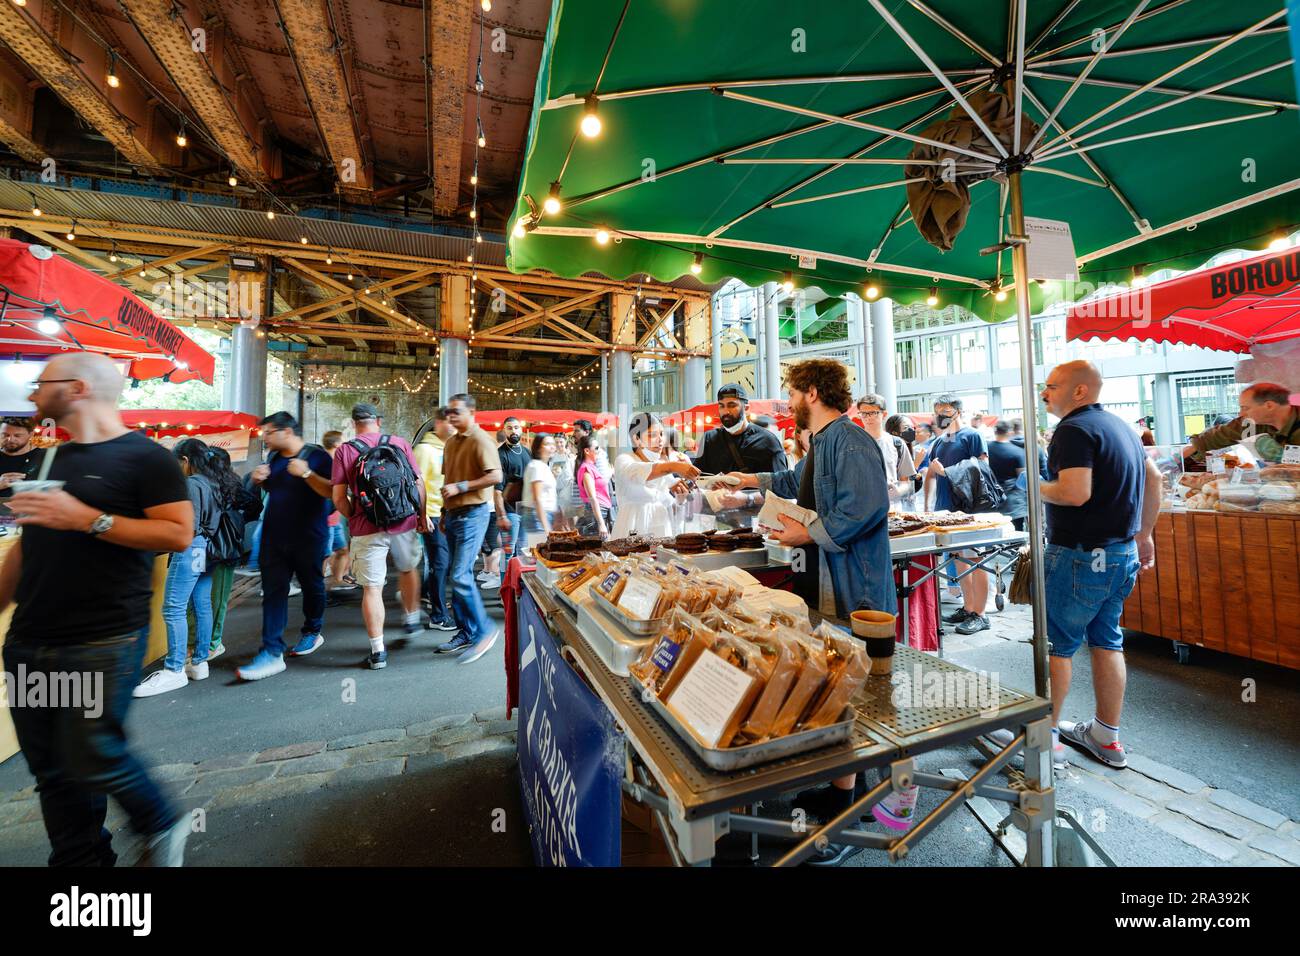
point(412, 617)
point(376, 645)
point(1103, 733)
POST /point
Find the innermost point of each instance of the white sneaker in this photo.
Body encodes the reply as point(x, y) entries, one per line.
point(484, 576)
point(216, 651)
point(197, 671)
point(1004, 737)
point(160, 682)
point(167, 848)
point(294, 590)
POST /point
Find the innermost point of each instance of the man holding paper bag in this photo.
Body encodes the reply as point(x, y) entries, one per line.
point(841, 485)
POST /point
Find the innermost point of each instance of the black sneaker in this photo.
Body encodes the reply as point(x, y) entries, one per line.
point(412, 628)
point(444, 625)
point(377, 660)
point(972, 624)
point(836, 854)
point(455, 645)
point(957, 616)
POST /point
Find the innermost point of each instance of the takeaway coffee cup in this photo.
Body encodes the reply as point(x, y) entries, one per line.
point(878, 630)
point(36, 484)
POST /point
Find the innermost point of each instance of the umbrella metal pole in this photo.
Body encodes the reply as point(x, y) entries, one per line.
point(1025, 322)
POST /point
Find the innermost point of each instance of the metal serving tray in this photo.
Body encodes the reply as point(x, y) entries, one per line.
point(630, 626)
point(549, 576)
point(569, 600)
point(738, 758)
point(946, 538)
point(912, 542)
point(616, 648)
point(779, 553)
point(713, 560)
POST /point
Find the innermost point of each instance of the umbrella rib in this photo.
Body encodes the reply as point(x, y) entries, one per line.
point(1142, 224)
point(846, 192)
point(818, 175)
point(1187, 97)
point(1204, 55)
point(1020, 73)
point(1171, 5)
point(842, 161)
point(609, 50)
point(893, 224)
point(1056, 21)
point(1164, 90)
point(955, 31)
point(1062, 173)
point(1152, 48)
point(570, 99)
point(758, 144)
point(939, 75)
point(1060, 154)
point(1078, 80)
point(870, 127)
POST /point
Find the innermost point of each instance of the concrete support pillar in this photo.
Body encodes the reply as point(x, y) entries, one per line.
point(771, 355)
point(1169, 429)
point(622, 315)
point(695, 336)
point(761, 295)
point(605, 397)
point(454, 323)
point(249, 301)
point(856, 311)
point(882, 350)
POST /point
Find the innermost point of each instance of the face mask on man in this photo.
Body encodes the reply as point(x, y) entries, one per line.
point(737, 428)
point(943, 421)
point(908, 435)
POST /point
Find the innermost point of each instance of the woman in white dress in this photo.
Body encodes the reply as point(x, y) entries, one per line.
point(647, 480)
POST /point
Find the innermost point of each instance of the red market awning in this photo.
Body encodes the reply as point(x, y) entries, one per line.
point(184, 421)
point(49, 305)
point(703, 418)
point(1230, 307)
point(543, 419)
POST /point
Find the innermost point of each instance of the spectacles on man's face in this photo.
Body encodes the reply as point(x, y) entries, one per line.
point(455, 411)
point(47, 381)
point(872, 413)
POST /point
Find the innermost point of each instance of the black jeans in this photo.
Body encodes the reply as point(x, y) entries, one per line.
point(438, 562)
point(79, 760)
point(280, 562)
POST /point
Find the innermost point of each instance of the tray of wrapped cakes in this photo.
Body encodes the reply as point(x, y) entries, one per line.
point(709, 550)
point(1271, 489)
point(741, 689)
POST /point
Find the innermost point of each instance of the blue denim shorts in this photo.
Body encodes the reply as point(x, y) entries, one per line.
point(1085, 595)
point(338, 538)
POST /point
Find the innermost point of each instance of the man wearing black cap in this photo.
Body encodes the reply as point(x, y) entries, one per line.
point(739, 445)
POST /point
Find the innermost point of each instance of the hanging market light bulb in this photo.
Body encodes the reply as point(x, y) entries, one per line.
point(36, 209)
point(112, 77)
point(473, 179)
point(1139, 277)
point(933, 298)
point(697, 266)
point(303, 240)
point(482, 140)
point(1280, 242)
point(602, 236)
point(473, 212)
point(486, 5)
point(112, 252)
point(49, 323)
point(72, 231)
point(999, 293)
point(551, 204)
point(181, 139)
point(233, 180)
point(591, 124)
point(519, 231)
point(787, 282)
point(329, 257)
point(873, 291)
point(270, 214)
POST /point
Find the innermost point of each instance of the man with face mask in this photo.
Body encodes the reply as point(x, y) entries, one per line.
point(514, 460)
point(739, 445)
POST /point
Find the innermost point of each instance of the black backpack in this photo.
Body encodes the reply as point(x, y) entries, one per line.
point(226, 544)
point(387, 488)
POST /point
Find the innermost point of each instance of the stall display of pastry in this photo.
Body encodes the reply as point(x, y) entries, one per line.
point(1272, 489)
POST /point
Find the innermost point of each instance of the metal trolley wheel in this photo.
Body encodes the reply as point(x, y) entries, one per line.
point(1182, 652)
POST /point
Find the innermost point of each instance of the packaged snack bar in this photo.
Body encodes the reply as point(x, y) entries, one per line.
point(779, 657)
point(683, 639)
point(735, 652)
point(847, 666)
point(811, 659)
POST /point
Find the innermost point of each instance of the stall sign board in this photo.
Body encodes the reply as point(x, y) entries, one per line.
point(571, 755)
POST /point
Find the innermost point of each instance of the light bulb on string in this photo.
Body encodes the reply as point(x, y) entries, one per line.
point(591, 124)
point(933, 298)
point(233, 180)
point(872, 291)
point(519, 231)
point(270, 214)
point(1139, 277)
point(551, 204)
point(112, 77)
point(787, 282)
point(482, 140)
point(602, 236)
point(36, 209)
point(1280, 242)
point(72, 231)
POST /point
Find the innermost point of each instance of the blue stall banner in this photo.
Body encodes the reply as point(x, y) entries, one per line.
point(571, 755)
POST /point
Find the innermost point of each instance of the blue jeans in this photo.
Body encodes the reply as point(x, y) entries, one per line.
point(1085, 591)
point(189, 584)
point(465, 529)
point(79, 760)
point(438, 554)
point(516, 542)
point(255, 547)
point(280, 562)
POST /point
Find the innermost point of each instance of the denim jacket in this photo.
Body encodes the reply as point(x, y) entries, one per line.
point(852, 528)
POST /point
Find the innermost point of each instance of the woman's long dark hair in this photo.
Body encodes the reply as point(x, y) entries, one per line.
point(202, 461)
point(580, 449)
point(230, 485)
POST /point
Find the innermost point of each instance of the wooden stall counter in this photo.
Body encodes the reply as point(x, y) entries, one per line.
point(1226, 581)
point(156, 649)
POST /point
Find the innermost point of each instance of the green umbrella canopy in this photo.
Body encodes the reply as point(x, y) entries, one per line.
point(676, 83)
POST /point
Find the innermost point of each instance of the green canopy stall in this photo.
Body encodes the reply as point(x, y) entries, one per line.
point(892, 148)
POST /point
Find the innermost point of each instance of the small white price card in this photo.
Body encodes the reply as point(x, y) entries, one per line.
point(639, 598)
point(709, 695)
point(1051, 250)
point(1291, 455)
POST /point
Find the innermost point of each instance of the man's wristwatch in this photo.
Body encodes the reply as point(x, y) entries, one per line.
point(100, 525)
point(307, 474)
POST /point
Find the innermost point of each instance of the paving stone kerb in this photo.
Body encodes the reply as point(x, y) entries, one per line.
point(305, 749)
point(1166, 774)
point(1204, 840)
point(1247, 808)
point(370, 737)
point(1208, 815)
point(1278, 846)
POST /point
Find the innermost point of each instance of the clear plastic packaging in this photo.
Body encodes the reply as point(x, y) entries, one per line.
point(811, 659)
point(847, 664)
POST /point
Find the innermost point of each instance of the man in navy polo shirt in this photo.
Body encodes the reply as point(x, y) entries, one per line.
point(1102, 503)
